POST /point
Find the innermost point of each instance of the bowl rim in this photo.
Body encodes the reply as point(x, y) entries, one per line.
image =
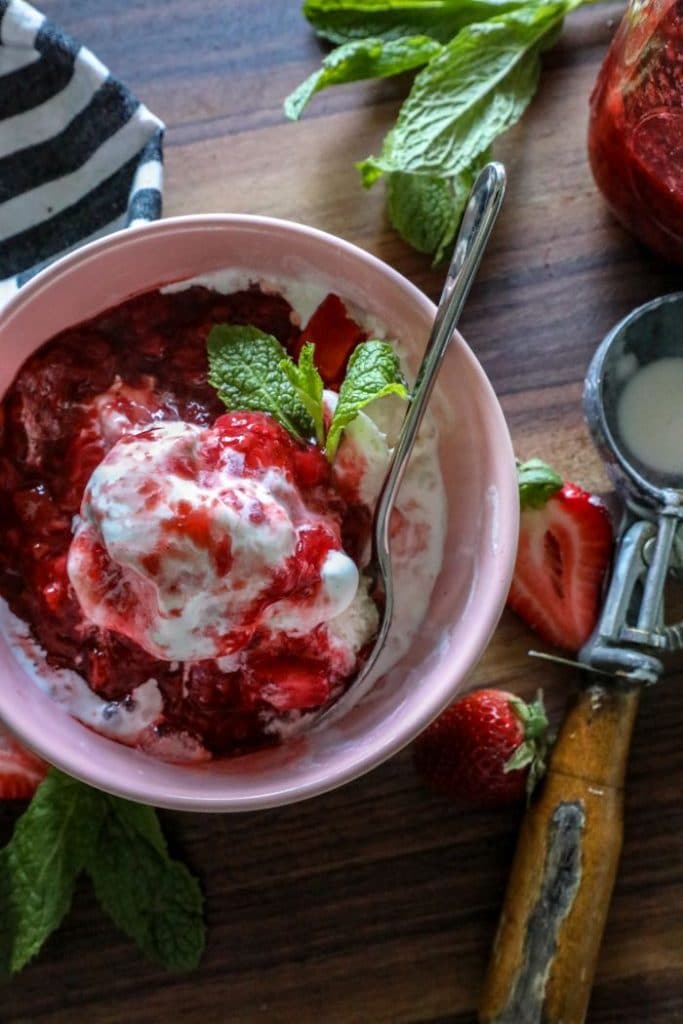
point(503, 471)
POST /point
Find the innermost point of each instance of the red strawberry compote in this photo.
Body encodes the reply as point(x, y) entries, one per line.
point(183, 580)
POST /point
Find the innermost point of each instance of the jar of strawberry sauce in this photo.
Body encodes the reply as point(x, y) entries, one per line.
point(635, 140)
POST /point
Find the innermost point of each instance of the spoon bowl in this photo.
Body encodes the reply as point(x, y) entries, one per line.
point(651, 332)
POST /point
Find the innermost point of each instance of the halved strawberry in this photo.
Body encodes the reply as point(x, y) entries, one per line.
point(565, 548)
point(21, 772)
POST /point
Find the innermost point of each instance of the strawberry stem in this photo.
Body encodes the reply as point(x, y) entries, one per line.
point(532, 751)
point(537, 482)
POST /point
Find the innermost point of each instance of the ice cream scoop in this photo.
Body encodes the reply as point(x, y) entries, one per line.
point(191, 538)
point(546, 951)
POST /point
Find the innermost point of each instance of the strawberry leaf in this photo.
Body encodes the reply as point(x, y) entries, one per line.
point(533, 750)
point(523, 756)
point(537, 483)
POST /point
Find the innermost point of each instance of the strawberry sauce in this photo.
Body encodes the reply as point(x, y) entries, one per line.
point(635, 139)
point(118, 376)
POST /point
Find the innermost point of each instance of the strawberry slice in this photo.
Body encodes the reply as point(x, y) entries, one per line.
point(290, 684)
point(21, 772)
point(565, 548)
point(486, 750)
point(335, 335)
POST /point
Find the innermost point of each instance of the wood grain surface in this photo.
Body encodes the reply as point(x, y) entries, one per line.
point(378, 903)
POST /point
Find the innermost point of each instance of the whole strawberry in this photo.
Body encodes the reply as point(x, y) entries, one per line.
point(486, 750)
point(565, 549)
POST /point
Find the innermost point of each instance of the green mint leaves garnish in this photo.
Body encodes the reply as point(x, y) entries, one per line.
point(373, 372)
point(251, 370)
point(480, 63)
point(308, 385)
point(537, 483)
point(69, 828)
point(245, 369)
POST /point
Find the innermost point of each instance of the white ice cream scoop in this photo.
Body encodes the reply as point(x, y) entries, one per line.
point(187, 552)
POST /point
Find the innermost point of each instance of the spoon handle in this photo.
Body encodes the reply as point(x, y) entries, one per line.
point(476, 226)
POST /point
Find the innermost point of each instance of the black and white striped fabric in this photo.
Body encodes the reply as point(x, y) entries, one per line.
point(79, 155)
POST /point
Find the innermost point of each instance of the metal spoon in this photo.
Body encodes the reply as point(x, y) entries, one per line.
point(478, 219)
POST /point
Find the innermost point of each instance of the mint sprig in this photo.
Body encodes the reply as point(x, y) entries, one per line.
point(69, 828)
point(477, 81)
point(245, 368)
point(251, 370)
point(373, 372)
point(478, 86)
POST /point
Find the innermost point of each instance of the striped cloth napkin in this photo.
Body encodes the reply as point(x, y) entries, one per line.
point(79, 155)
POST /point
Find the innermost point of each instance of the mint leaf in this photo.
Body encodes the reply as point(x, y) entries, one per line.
point(363, 58)
point(308, 385)
point(477, 87)
point(426, 209)
point(153, 899)
point(537, 483)
point(423, 210)
point(373, 371)
point(52, 841)
point(68, 828)
point(344, 20)
point(245, 369)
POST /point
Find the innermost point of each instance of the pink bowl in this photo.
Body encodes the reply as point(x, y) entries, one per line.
point(478, 467)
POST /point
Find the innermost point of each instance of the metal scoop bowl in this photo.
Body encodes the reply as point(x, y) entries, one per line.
point(649, 549)
point(477, 223)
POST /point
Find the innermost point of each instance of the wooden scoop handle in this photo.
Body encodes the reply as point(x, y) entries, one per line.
point(546, 950)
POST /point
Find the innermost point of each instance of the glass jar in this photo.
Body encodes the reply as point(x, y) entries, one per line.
point(635, 140)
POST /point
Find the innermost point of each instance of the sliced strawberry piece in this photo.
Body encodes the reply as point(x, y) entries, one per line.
point(565, 548)
point(21, 772)
point(486, 750)
point(290, 684)
point(335, 335)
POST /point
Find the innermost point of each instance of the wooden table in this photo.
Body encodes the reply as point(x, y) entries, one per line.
point(378, 903)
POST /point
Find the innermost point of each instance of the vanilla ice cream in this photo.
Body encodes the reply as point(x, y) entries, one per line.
point(186, 549)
